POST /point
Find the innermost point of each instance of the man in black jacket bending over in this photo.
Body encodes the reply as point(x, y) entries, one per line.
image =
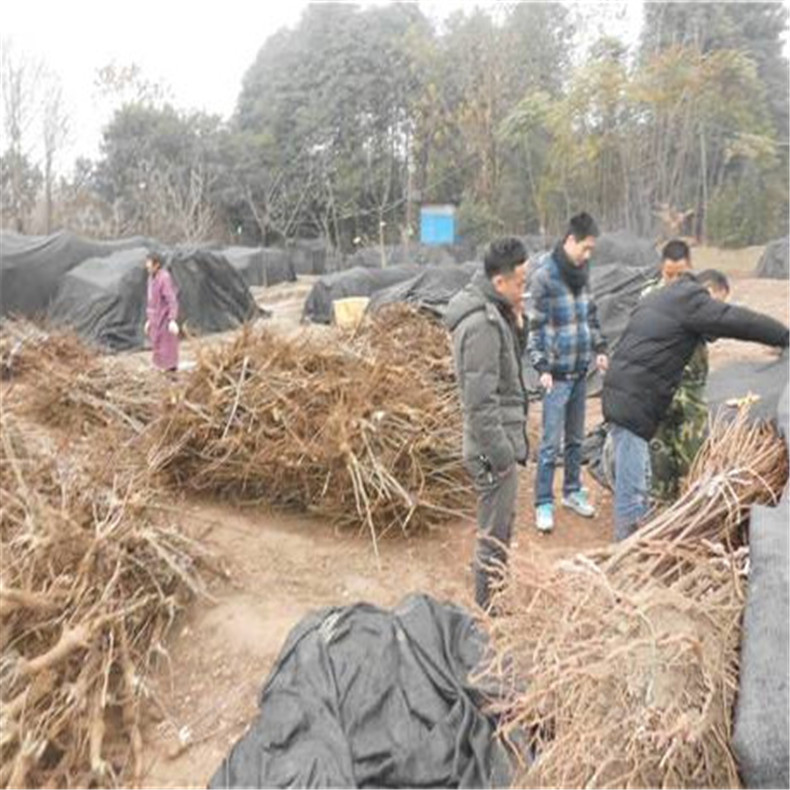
point(646, 369)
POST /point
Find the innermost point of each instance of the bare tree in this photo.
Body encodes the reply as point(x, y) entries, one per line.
point(55, 132)
point(181, 204)
point(21, 79)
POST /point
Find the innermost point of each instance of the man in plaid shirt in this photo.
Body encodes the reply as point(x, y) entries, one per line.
point(564, 338)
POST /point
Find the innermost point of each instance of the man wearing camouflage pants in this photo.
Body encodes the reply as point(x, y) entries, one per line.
point(684, 428)
point(487, 322)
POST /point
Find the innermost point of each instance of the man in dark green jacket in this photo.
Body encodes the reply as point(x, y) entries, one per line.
point(487, 323)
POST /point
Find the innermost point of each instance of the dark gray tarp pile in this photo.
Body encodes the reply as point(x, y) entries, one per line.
point(431, 289)
point(261, 265)
point(103, 299)
point(367, 697)
point(764, 378)
point(625, 248)
point(358, 281)
point(760, 734)
point(370, 257)
point(31, 267)
point(775, 261)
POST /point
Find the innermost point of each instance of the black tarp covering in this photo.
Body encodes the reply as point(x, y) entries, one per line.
point(432, 288)
point(103, 299)
point(760, 732)
point(358, 281)
point(31, 267)
point(766, 378)
point(775, 261)
point(370, 257)
point(625, 248)
point(617, 289)
point(366, 697)
point(261, 265)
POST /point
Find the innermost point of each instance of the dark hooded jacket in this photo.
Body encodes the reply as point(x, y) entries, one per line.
point(487, 349)
point(659, 340)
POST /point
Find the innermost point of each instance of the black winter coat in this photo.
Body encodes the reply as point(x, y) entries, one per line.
point(662, 333)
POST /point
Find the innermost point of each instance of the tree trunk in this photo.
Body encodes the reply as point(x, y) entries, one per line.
point(704, 171)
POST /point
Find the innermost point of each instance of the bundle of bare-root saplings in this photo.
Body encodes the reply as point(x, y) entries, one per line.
point(363, 428)
point(620, 667)
point(58, 380)
point(91, 579)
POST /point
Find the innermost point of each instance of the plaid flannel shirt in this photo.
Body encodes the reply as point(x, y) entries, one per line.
point(564, 332)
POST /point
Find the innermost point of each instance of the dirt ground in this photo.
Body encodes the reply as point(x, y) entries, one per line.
point(278, 567)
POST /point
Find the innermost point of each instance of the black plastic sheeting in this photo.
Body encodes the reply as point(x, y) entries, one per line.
point(261, 266)
point(774, 263)
point(358, 281)
point(431, 289)
point(104, 299)
point(616, 288)
point(624, 248)
point(765, 378)
point(371, 257)
point(31, 267)
point(367, 697)
point(760, 732)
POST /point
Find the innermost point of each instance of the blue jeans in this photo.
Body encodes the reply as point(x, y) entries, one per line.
point(631, 480)
point(563, 408)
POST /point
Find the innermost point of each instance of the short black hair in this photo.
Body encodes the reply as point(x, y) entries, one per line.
point(715, 278)
point(504, 255)
point(676, 250)
point(154, 257)
point(581, 226)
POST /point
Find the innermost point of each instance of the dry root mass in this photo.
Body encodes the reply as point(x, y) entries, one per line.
point(620, 667)
point(90, 582)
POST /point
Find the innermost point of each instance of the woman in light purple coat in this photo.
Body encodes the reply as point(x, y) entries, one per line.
point(161, 312)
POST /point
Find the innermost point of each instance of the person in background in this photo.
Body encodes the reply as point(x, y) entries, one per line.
point(564, 339)
point(647, 367)
point(161, 326)
point(487, 324)
point(681, 433)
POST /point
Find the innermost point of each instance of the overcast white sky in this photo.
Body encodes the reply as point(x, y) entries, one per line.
point(200, 51)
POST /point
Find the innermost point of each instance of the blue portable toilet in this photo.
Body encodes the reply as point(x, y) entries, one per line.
point(437, 224)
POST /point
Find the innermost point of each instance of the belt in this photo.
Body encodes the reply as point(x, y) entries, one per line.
point(568, 376)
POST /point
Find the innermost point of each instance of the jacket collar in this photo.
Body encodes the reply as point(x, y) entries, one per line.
point(575, 277)
point(484, 285)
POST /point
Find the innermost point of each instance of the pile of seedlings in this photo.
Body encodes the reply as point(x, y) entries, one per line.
point(365, 430)
point(620, 666)
point(91, 580)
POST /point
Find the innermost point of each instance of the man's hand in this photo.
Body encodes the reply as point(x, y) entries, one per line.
point(546, 381)
point(147, 328)
point(602, 362)
point(172, 327)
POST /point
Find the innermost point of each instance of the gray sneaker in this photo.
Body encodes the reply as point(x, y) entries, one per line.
point(578, 503)
point(544, 517)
